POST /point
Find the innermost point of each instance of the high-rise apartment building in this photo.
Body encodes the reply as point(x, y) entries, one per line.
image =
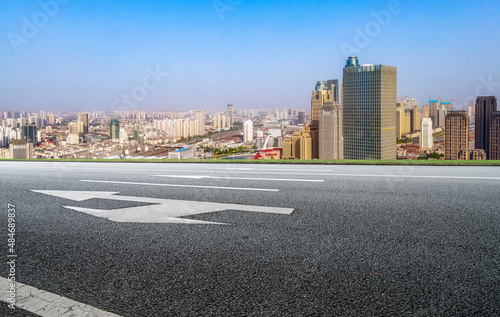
point(73, 127)
point(485, 106)
point(415, 114)
point(369, 106)
point(114, 129)
point(199, 117)
point(433, 112)
point(20, 149)
point(426, 139)
point(230, 114)
point(425, 111)
point(248, 131)
point(442, 117)
point(29, 133)
point(84, 119)
point(495, 136)
point(400, 121)
point(456, 134)
point(331, 143)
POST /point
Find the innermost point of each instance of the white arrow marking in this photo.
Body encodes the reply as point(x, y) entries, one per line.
point(244, 178)
point(163, 210)
point(178, 185)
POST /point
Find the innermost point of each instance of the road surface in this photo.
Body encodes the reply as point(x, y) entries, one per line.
point(145, 239)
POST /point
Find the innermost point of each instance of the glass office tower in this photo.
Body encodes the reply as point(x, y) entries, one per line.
point(369, 104)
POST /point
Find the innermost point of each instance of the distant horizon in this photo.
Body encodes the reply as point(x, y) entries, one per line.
point(75, 56)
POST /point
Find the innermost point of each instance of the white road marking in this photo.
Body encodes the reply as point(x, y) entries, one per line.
point(416, 176)
point(273, 169)
point(177, 185)
point(243, 178)
point(379, 175)
point(163, 210)
point(47, 304)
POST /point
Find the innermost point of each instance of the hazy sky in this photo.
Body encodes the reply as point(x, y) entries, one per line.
point(86, 54)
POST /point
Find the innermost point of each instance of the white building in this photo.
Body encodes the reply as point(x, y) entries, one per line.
point(182, 154)
point(248, 131)
point(426, 140)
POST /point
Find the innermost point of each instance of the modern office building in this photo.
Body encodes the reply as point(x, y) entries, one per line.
point(426, 139)
point(495, 136)
point(301, 117)
point(248, 131)
point(326, 92)
point(83, 117)
point(29, 133)
point(369, 106)
point(485, 106)
point(456, 134)
point(230, 114)
point(114, 129)
point(331, 141)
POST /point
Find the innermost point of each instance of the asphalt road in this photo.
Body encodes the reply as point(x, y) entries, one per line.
point(361, 240)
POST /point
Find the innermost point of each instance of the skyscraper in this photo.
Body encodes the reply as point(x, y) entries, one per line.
point(84, 119)
point(324, 96)
point(456, 134)
point(485, 106)
point(199, 116)
point(415, 114)
point(495, 136)
point(29, 133)
point(301, 117)
point(248, 131)
point(331, 143)
point(230, 115)
point(426, 139)
point(114, 128)
point(433, 112)
point(369, 105)
point(425, 111)
point(325, 92)
point(442, 117)
point(400, 121)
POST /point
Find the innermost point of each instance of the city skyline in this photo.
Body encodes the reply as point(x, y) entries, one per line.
point(186, 55)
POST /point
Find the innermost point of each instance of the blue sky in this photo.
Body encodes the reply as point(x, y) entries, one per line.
point(87, 54)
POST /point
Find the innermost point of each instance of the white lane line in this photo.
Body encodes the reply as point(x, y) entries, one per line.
point(176, 185)
point(47, 304)
point(243, 178)
point(376, 175)
point(271, 169)
point(416, 176)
